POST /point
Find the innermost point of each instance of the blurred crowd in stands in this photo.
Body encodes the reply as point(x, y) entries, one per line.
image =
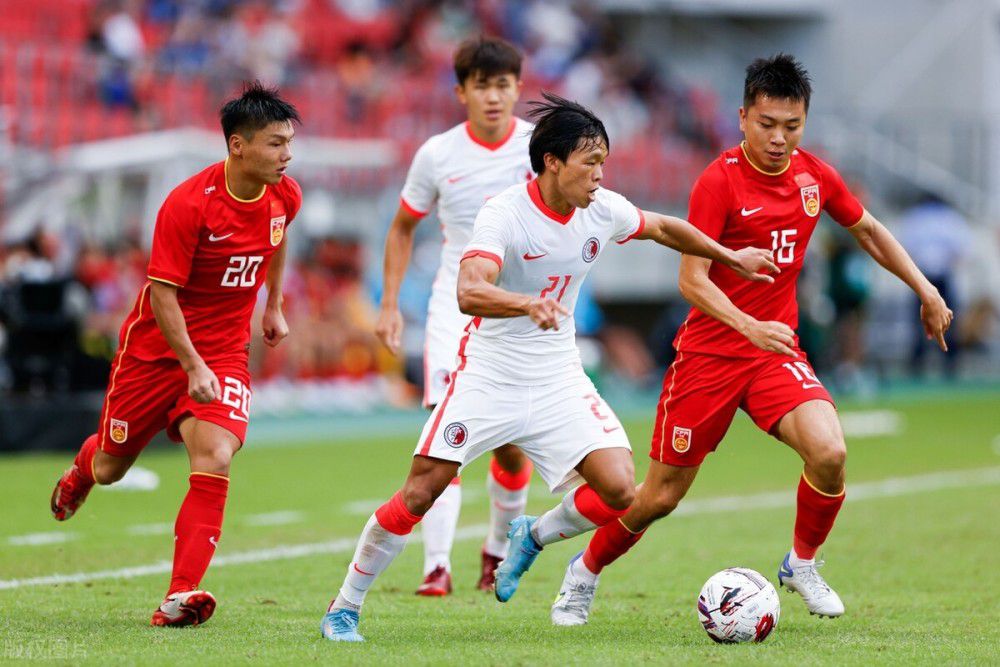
point(74, 70)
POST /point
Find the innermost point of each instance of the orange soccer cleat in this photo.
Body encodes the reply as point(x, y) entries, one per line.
point(436, 584)
point(70, 492)
point(188, 608)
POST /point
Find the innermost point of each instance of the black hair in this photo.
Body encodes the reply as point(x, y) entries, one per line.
point(562, 127)
point(780, 76)
point(254, 110)
point(485, 57)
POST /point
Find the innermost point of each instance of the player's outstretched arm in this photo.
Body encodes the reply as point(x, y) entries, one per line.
point(479, 296)
point(879, 242)
point(203, 385)
point(699, 290)
point(398, 247)
point(274, 324)
point(681, 235)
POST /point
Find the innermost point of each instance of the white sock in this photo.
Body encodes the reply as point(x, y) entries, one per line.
point(376, 549)
point(795, 561)
point(582, 573)
point(561, 522)
point(505, 506)
point(439, 528)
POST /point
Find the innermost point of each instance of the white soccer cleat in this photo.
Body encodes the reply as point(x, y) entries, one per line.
point(805, 580)
point(572, 605)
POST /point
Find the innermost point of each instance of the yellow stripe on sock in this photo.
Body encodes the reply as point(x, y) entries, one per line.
point(823, 493)
point(211, 474)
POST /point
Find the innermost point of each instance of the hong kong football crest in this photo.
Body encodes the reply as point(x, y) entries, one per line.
point(590, 249)
point(119, 430)
point(455, 434)
point(810, 200)
point(277, 222)
point(681, 439)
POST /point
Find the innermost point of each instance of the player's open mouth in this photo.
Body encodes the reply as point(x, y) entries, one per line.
point(776, 155)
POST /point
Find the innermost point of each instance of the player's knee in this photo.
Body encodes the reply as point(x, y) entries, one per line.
point(215, 460)
point(619, 495)
point(830, 457)
point(418, 498)
point(109, 472)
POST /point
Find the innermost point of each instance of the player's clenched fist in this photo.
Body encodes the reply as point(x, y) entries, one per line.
point(203, 385)
point(750, 262)
point(771, 336)
point(546, 312)
point(389, 328)
point(275, 327)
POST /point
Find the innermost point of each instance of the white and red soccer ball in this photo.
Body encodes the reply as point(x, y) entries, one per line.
point(738, 605)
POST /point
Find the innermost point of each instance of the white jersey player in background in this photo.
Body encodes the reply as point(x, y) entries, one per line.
point(459, 170)
point(519, 378)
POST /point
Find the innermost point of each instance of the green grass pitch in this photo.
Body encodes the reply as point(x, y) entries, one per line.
point(915, 560)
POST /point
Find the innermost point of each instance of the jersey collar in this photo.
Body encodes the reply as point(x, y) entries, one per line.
point(535, 193)
point(225, 179)
point(495, 145)
point(743, 147)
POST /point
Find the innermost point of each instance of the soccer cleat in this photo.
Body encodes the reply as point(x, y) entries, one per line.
point(521, 554)
point(341, 625)
point(804, 579)
point(436, 584)
point(188, 608)
point(572, 605)
point(488, 576)
point(70, 492)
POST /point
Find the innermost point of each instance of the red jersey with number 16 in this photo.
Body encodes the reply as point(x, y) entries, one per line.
point(738, 205)
point(215, 248)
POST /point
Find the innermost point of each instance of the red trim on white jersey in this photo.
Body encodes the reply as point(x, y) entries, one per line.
point(483, 253)
point(412, 211)
point(536, 198)
point(495, 145)
point(473, 323)
point(638, 230)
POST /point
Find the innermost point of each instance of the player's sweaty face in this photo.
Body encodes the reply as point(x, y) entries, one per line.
point(268, 153)
point(580, 176)
point(490, 101)
point(772, 128)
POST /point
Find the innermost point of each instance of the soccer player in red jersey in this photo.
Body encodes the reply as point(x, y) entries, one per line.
point(182, 353)
point(738, 348)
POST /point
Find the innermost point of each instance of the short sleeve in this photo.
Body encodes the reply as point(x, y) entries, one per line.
point(420, 190)
point(839, 202)
point(707, 208)
point(627, 218)
point(175, 238)
point(491, 235)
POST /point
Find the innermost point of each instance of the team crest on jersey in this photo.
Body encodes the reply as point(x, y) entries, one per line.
point(590, 249)
point(681, 439)
point(119, 430)
point(810, 200)
point(455, 434)
point(277, 222)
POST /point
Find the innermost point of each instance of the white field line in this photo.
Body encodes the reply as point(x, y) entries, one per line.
point(887, 488)
point(871, 423)
point(150, 529)
point(38, 539)
point(274, 518)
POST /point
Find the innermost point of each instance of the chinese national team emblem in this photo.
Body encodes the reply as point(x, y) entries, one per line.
point(455, 434)
point(119, 430)
point(682, 439)
point(810, 200)
point(277, 222)
point(590, 249)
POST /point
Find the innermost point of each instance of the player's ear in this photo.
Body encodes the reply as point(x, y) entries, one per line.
point(236, 145)
point(552, 163)
point(743, 119)
point(460, 93)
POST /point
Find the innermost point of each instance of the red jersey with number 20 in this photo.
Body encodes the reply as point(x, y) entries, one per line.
point(738, 205)
point(215, 249)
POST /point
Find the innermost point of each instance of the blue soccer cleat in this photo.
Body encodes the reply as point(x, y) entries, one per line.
point(341, 625)
point(521, 554)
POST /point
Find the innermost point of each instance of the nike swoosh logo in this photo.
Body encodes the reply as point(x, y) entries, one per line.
point(564, 536)
point(806, 385)
point(214, 542)
point(238, 417)
point(530, 257)
point(214, 238)
point(367, 574)
point(745, 212)
point(455, 179)
point(609, 430)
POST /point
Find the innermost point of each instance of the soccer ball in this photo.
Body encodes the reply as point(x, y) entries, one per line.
point(738, 605)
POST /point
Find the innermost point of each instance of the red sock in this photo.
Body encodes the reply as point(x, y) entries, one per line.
point(197, 530)
point(816, 513)
point(591, 507)
point(84, 460)
point(512, 481)
point(609, 543)
point(394, 517)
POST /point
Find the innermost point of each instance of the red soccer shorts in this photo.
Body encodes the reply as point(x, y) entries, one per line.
point(702, 391)
point(145, 397)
